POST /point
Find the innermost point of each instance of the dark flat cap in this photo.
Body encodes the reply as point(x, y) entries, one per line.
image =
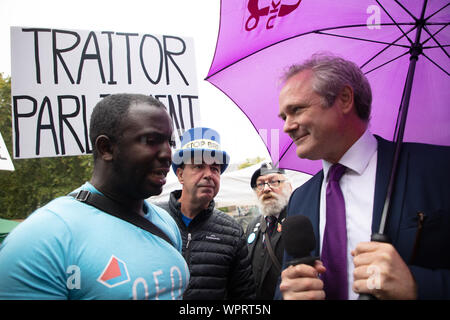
point(265, 168)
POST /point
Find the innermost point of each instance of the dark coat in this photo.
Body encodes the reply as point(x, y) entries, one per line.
point(265, 273)
point(419, 221)
point(215, 250)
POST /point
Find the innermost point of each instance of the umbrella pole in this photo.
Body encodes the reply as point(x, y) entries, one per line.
point(398, 145)
point(415, 51)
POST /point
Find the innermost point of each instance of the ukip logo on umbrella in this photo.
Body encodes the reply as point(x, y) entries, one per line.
point(274, 10)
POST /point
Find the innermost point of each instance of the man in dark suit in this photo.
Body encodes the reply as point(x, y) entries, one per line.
point(325, 103)
point(265, 247)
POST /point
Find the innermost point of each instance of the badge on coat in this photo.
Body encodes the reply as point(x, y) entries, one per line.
point(279, 228)
point(251, 238)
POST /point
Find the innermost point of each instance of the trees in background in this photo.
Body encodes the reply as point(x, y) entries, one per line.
point(249, 162)
point(34, 181)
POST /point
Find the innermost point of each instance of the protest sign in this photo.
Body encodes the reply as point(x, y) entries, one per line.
point(5, 160)
point(59, 75)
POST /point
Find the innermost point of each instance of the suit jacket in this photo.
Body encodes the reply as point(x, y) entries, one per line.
point(266, 284)
point(419, 220)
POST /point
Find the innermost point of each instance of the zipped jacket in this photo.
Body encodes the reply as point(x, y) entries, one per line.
point(215, 250)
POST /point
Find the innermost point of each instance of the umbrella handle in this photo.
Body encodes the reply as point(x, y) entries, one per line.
point(378, 237)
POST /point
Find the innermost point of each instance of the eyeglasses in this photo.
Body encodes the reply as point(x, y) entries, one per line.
point(272, 184)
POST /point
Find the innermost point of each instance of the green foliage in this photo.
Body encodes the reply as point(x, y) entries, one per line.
point(34, 181)
point(224, 209)
point(250, 162)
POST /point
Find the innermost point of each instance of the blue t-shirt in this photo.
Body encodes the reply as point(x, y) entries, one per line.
point(71, 250)
point(186, 220)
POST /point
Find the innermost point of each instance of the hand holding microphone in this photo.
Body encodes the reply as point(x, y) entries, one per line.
point(379, 269)
point(300, 280)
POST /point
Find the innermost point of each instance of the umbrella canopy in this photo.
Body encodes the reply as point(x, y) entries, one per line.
point(259, 39)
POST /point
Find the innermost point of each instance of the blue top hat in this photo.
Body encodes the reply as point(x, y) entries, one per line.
point(200, 145)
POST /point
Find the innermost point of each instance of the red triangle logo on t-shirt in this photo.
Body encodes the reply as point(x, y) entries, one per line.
point(112, 270)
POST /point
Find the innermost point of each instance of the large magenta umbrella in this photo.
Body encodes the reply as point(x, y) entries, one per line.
point(402, 47)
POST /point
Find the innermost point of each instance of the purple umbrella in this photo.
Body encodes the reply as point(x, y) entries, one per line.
point(400, 45)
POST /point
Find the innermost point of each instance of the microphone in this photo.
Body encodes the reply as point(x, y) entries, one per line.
point(299, 240)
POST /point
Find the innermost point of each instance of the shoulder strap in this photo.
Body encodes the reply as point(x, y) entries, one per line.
point(117, 210)
point(274, 259)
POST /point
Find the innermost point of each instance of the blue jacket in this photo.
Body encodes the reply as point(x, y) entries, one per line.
point(421, 198)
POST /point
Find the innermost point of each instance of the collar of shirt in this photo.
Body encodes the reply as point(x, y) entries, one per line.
point(275, 215)
point(358, 156)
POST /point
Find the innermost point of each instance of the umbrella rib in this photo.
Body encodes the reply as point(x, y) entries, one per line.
point(362, 39)
point(281, 157)
point(395, 22)
point(434, 47)
point(431, 60)
point(384, 49)
point(437, 11)
point(381, 65)
point(406, 10)
point(432, 37)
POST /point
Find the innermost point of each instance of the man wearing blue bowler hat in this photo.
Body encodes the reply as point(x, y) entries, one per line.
point(214, 245)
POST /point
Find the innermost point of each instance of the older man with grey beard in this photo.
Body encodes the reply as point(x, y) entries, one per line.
point(273, 190)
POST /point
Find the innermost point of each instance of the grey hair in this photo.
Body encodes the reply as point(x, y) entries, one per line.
point(331, 74)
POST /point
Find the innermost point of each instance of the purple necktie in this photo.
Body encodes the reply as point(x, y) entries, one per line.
point(334, 250)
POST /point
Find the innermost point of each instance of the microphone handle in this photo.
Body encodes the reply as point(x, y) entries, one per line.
point(304, 260)
point(378, 237)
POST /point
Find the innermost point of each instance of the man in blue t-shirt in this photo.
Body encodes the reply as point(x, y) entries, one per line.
point(71, 250)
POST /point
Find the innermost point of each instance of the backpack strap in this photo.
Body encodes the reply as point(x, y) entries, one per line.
point(272, 255)
point(115, 209)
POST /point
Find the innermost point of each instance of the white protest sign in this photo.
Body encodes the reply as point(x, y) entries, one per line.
point(57, 77)
point(5, 160)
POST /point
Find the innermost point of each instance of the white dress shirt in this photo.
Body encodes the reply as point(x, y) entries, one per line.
point(358, 187)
